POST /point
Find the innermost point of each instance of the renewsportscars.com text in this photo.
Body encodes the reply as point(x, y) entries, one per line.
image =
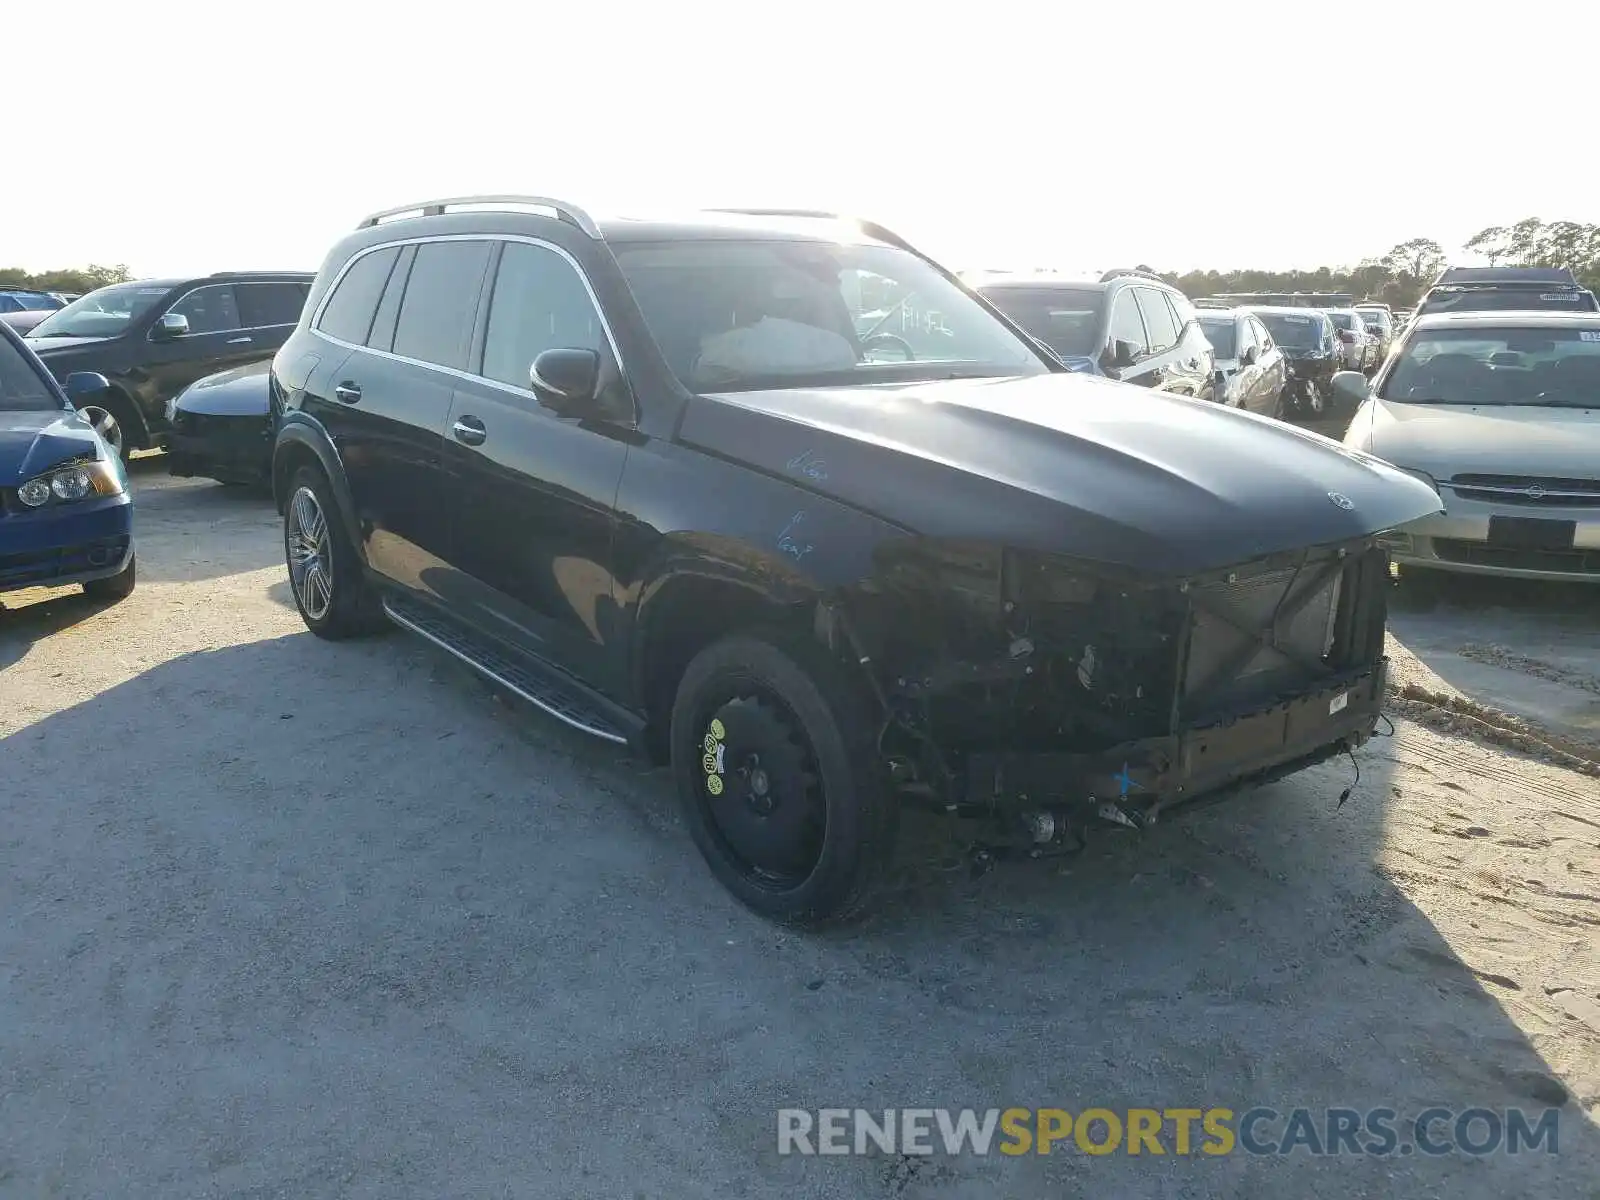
point(1159, 1131)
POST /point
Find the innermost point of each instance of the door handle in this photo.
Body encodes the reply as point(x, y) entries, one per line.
point(241, 341)
point(347, 393)
point(469, 431)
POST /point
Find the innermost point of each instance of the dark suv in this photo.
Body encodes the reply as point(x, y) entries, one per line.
point(773, 497)
point(1129, 325)
point(154, 338)
point(1494, 289)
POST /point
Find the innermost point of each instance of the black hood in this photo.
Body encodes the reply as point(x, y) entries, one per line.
point(1068, 464)
point(31, 442)
point(237, 392)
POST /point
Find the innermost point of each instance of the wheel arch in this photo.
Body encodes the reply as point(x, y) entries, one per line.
point(121, 404)
point(302, 442)
point(692, 601)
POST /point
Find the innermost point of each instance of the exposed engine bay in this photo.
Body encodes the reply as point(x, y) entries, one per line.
point(1021, 684)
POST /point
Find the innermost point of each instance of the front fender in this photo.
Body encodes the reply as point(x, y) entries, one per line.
point(300, 435)
point(694, 518)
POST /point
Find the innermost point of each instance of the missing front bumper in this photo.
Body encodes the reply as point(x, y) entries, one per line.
point(1146, 777)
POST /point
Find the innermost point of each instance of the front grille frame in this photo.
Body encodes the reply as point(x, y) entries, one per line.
point(1348, 628)
point(1530, 491)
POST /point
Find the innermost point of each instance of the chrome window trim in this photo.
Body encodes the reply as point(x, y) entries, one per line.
point(150, 336)
point(469, 376)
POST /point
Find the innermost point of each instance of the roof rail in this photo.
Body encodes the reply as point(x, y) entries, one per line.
point(241, 274)
point(881, 232)
point(1139, 272)
point(570, 213)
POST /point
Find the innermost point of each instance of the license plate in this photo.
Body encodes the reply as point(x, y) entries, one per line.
point(1338, 703)
point(1531, 533)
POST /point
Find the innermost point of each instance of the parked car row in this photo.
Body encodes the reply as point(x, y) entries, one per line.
point(776, 500)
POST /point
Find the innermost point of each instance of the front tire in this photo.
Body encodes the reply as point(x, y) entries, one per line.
point(774, 756)
point(325, 575)
point(115, 587)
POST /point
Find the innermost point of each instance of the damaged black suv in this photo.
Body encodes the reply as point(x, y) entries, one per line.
point(775, 498)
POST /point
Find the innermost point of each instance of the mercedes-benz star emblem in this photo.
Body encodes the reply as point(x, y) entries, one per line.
point(1342, 500)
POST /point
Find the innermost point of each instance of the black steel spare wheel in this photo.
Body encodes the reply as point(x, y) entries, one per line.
point(762, 792)
point(774, 749)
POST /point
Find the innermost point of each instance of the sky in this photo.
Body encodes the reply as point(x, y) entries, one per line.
point(186, 137)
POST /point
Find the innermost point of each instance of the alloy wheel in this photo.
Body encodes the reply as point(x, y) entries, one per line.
point(310, 566)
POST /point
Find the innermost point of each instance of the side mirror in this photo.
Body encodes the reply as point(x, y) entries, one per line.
point(1124, 353)
point(567, 382)
point(1351, 387)
point(171, 325)
point(1248, 358)
point(85, 385)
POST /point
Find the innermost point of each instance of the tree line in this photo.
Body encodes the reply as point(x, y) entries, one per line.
point(73, 279)
point(1400, 277)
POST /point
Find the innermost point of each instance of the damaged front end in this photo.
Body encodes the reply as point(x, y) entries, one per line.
point(1048, 694)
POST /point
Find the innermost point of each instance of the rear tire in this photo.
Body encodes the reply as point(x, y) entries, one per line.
point(326, 577)
point(115, 587)
point(774, 756)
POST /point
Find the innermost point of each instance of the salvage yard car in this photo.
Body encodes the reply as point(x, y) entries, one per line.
point(154, 338)
point(1130, 325)
point(1499, 412)
point(65, 514)
point(648, 475)
point(220, 427)
point(1252, 372)
point(1491, 289)
point(1311, 347)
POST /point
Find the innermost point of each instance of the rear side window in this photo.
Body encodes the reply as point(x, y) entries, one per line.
point(539, 304)
point(263, 304)
point(1158, 319)
point(441, 302)
point(348, 312)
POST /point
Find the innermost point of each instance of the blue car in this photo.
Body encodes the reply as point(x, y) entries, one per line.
point(65, 513)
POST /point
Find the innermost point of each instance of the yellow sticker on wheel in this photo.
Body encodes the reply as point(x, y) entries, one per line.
point(711, 761)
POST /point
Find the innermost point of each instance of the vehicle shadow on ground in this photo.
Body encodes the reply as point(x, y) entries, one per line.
point(315, 879)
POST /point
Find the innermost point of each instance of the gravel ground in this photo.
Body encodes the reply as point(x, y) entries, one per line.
point(285, 918)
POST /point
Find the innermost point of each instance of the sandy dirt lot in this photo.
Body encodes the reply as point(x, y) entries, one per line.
point(285, 918)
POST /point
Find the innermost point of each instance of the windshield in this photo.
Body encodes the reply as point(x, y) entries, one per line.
point(105, 313)
point(1557, 367)
point(1508, 299)
point(1065, 319)
point(1220, 335)
point(743, 315)
point(1343, 320)
point(1293, 331)
point(21, 388)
